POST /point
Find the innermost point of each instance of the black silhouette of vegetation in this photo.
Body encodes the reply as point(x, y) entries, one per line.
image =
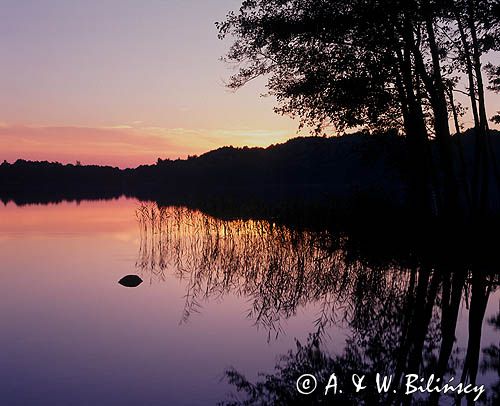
point(381, 65)
point(392, 71)
point(400, 305)
point(491, 361)
point(389, 69)
point(51, 182)
point(353, 179)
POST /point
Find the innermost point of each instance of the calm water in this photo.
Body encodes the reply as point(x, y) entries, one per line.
point(216, 295)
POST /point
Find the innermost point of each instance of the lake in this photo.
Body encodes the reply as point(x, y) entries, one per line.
point(222, 301)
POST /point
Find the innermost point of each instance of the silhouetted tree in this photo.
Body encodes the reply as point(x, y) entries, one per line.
point(491, 362)
point(401, 312)
point(371, 64)
point(494, 76)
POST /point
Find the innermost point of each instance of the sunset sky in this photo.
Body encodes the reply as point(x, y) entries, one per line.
point(123, 82)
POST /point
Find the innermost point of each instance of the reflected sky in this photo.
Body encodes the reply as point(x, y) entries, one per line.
point(72, 335)
point(70, 332)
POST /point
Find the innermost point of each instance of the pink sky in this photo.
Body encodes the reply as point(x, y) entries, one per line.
point(122, 82)
point(123, 146)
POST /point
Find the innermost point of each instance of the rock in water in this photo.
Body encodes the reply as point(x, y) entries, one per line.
point(130, 281)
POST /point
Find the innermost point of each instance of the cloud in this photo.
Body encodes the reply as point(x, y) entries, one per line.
point(121, 145)
point(117, 146)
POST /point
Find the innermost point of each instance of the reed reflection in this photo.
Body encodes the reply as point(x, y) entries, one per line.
point(401, 315)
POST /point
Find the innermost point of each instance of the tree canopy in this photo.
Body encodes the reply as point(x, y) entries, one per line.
point(373, 65)
point(357, 63)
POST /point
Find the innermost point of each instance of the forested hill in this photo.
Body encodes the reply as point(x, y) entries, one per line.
point(332, 165)
point(335, 164)
point(343, 168)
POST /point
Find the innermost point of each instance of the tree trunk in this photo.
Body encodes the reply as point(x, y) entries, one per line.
point(478, 154)
point(416, 131)
point(440, 109)
point(483, 118)
point(463, 178)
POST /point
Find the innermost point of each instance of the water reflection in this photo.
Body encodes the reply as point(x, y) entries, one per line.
point(401, 315)
point(491, 360)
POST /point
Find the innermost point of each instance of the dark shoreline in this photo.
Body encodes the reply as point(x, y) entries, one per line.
point(355, 182)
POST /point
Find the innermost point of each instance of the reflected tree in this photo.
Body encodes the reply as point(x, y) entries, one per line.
point(377, 65)
point(401, 314)
point(491, 362)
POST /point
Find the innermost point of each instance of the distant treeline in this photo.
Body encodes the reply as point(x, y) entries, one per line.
point(354, 173)
point(45, 182)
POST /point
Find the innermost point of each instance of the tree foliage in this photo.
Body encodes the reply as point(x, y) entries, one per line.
point(373, 65)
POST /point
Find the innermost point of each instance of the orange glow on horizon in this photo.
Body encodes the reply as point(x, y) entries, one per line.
point(122, 146)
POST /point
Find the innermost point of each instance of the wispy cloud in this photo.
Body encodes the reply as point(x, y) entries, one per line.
point(123, 145)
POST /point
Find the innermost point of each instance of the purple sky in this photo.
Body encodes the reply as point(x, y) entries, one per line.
point(123, 82)
point(135, 67)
